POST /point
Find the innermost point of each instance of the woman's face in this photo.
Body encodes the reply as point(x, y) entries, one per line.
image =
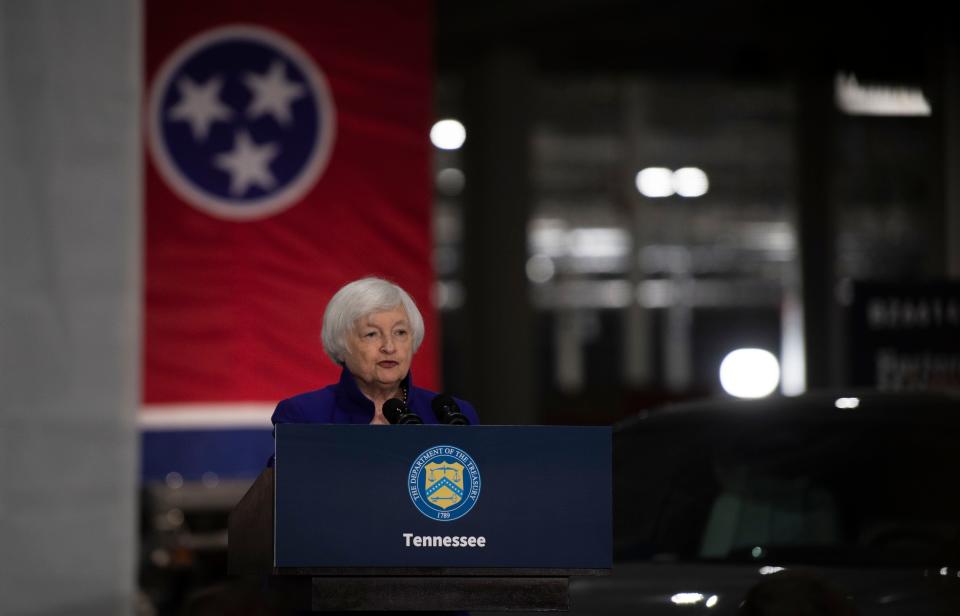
point(379, 349)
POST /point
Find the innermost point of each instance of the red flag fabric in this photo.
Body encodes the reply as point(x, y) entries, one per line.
point(286, 155)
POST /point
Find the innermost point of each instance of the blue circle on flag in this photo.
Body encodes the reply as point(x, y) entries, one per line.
point(444, 483)
point(241, 122)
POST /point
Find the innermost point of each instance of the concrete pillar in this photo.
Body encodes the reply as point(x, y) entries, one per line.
point(69, 304)
point(949, 112)
point(816, 225)
point(637, 364)
point(500, 368)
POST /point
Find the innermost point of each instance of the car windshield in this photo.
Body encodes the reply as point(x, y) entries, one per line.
point(793, 492)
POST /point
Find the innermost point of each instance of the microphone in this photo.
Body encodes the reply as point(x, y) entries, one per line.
point(397, 412)
point(447, 411)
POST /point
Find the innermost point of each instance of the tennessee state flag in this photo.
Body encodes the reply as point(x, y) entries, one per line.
point(286, 154)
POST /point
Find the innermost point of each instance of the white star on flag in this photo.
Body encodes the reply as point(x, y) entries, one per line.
point(248, 164)
point(273, 93)
point(200, 105)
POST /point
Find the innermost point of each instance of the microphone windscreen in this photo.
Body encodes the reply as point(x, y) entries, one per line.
point(393, 410)
point(447, 411)
point(443, 401)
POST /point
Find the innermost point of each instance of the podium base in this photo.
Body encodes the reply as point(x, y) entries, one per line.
point(420, 593)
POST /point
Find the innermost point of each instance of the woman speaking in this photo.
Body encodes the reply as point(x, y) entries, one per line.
point(371, 329)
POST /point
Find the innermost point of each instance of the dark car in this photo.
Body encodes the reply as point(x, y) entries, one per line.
point(824, 503)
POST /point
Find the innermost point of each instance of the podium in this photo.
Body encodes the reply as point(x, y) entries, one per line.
point(422, 518)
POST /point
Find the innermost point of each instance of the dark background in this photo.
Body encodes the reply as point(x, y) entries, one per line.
point(564, 102)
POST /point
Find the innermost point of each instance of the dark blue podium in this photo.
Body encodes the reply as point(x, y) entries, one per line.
point(427, 517)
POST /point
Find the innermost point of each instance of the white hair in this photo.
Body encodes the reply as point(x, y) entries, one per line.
point(357, 300)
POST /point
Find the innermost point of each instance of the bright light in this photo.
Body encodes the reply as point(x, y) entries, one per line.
point(768, 570)
point(160, 557)
point(598, 242)
point(945, 571)
point(448, 295)
point(655, 182)
point(687, 598)
point(175, 517)
point(450, 181)
point(847, 403)
point(793, 380)
point(749, 373)
point(448, 134)
point(757, 552)
point(855, 98)
point(540, 268)
point(690, 182)
point(547, 236)
point(712, 600)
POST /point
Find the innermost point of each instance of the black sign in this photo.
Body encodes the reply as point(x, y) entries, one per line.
point(905, 337)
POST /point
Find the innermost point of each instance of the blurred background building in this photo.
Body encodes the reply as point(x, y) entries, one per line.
point(637, 191)
point(658, 187)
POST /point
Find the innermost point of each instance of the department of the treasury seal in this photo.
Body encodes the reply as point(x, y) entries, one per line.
point(444, 483)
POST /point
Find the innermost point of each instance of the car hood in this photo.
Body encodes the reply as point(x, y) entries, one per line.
point(719, 589)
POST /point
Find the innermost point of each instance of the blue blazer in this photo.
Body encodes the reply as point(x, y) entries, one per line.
point(344, 403)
